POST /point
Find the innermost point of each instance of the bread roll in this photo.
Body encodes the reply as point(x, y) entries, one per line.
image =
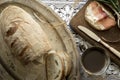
point(99, 17)
point(23, 35)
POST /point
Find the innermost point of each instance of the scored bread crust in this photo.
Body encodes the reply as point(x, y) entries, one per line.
point(94, 24)
point(23, 35)
point(54, 67)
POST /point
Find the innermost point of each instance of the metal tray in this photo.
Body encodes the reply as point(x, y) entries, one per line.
point(59, 36)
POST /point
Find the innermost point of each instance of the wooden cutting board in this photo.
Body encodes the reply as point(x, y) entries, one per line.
point(59, 36)
point(112, 34)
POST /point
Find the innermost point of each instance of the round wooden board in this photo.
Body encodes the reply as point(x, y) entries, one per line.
point(58, 34)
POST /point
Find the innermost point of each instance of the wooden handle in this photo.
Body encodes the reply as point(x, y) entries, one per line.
point(117, 53)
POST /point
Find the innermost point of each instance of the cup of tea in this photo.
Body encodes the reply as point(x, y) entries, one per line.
point(95, 61)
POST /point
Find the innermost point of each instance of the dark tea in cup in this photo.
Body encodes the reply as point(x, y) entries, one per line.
point(95, 60)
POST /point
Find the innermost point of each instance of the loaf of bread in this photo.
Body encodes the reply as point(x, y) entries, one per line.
point(23, 35)
point(99, 17)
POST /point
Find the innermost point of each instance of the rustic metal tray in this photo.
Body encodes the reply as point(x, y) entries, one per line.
point(59, 36)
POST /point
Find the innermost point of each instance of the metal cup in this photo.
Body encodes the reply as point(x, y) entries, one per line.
point(95, 61)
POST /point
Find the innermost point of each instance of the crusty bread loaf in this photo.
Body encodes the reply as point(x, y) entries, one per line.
point(99, 17)
point(24, 36)
point(58, 65)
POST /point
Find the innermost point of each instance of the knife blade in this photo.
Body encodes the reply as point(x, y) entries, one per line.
point(93, 36)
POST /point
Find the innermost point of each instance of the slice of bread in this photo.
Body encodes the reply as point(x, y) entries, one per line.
point(54, 67)
point(99, 17)
point(67, 62)
point(58, 65)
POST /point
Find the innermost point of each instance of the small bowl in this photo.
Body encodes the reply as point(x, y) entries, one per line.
point(95, 61)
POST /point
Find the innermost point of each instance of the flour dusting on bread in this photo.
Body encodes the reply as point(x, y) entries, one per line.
point(24, 36)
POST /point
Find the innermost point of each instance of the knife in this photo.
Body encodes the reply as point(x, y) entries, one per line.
point(98, 39)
